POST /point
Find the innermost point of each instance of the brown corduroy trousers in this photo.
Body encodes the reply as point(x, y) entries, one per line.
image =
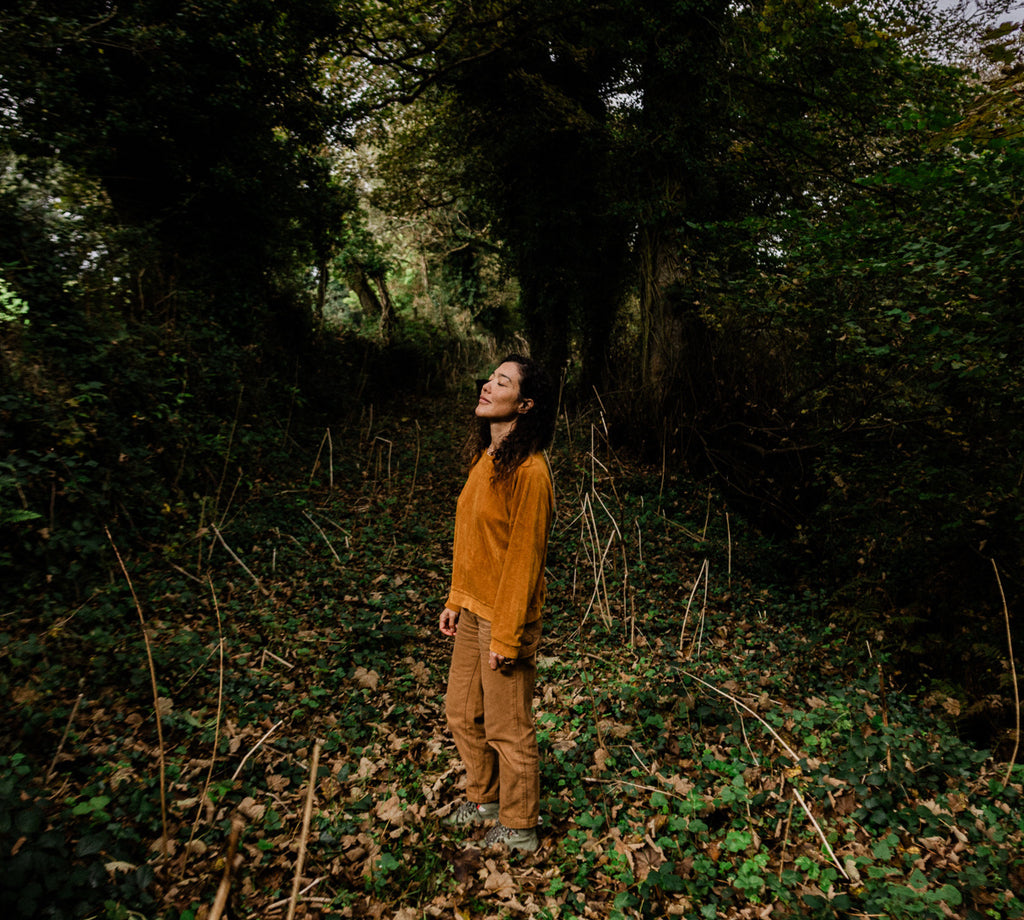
point(490, 715)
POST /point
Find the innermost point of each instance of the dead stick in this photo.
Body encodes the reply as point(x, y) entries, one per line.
point(316, 459)
point(785, 840)
point(266, 735)
point(821, 834)
point(231, 552)
point(1013, 674)
point(178, 568)
point(789, 751)
point(64, 737)
point(280, 661)
point(416, 464)
point(885, 715)
point(156, 695)
point(686, 616)
point(308, 814)
point(284, 902)
point(224, 889)
point(227, 456)
point(330, 460)
point(216, 730)
point(320, 530)
point(625, 782)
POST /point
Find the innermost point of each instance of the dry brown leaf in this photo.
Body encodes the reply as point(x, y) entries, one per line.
point(164, 845)
point(615, 729)
point(249, 808)
point(390, 810)
point(278, 783)
point(366, 768)
point(420, 672)
point(365, 678)
point(500, 884)
point(677, 783)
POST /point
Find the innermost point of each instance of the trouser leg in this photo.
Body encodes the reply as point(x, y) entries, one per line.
point(464, 707)
point(510, 729)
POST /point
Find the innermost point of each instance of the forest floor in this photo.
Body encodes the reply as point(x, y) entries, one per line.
point(712, 746)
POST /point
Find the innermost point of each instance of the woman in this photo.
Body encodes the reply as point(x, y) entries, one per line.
point(494, 606)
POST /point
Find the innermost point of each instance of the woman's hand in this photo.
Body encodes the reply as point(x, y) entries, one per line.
point(449, 621)
point(500, 661)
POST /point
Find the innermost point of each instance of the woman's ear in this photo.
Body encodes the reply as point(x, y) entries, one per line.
point(525, 406)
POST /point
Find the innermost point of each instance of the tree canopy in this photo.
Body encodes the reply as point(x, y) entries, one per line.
point(779, 240)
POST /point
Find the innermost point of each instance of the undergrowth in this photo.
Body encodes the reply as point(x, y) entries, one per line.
point(712, 746)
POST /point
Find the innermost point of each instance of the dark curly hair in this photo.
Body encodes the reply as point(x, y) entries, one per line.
point(533, 430)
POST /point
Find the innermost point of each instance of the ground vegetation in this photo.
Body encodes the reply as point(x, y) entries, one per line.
point(271, 686)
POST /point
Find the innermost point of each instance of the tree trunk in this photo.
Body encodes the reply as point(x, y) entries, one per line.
point(372, 302)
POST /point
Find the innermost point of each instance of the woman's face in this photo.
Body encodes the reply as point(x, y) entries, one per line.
point(499, 397)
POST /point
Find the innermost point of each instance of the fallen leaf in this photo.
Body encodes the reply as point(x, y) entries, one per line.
point(365, 678)
point(390, 810)
point(500, 884)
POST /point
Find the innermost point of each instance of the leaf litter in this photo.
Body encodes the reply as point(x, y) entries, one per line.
point(707, 751)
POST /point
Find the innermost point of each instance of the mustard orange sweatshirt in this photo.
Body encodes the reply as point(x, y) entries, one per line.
point(501, 542)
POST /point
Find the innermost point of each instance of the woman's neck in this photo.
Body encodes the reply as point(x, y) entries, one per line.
point(499, 431)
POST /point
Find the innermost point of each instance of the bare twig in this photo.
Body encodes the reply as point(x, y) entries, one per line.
point(703, 610)
point(728, 537)
point(416, 464)
point(738, 702)
point(1013, 676)
point(885, 714)
point(696, 537)
point(821, 834)
point(252, 750)
point(322, 534)
point(156, 694)
point(316, 459)
point(64, 737)
point(231, 498)
point(330, 461)
point(280, 661)
point(216, 729)
point(785, 840)
point(379, 456)
point(224, 889)
point(307, 815)
point(231, 553)
point(623, 782)
point(686, 616)
point(284, 902)
point(227, 454)
point(179, 569)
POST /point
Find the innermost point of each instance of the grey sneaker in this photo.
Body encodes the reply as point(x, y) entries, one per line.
point(472, 813)
point(512, 837)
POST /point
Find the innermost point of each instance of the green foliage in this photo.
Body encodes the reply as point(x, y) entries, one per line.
point(662, 794)
point(206, 127)
point(902, 344)
point(62, 864)
point(12, 308)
